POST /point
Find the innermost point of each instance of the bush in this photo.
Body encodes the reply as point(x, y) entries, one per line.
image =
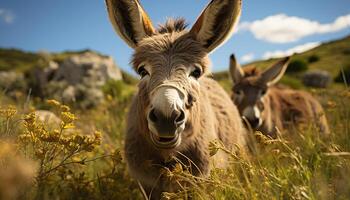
point(313, 59)
point(343, 74)
point(297, 66)
point(118, 90)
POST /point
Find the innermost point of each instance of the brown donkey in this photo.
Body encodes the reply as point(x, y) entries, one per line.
point(178, 110)
point(267, 106)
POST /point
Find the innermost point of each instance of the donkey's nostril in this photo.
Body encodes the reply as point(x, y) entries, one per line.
point(152, 116)
point(254, 122)
point(180, 118)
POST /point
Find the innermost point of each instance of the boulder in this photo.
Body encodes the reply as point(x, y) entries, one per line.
point(10, 80)
point(48, 118)
point(12, 84)
point(88, 67)
point(76, 80)
point(39, 78)
point(317, 79)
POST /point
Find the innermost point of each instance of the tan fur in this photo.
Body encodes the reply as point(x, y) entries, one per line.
point(168, 55)
point(281, 108)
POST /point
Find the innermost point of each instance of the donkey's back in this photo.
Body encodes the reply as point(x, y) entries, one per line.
point(298, 107)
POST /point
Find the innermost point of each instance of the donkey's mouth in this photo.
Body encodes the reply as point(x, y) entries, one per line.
point(166, 142)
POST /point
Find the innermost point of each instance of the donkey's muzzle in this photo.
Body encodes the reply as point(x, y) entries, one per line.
point(254, 122)
point(167, 126)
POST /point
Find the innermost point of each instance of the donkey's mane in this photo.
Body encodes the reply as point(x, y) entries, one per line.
point(251, 71)
point(172, 25)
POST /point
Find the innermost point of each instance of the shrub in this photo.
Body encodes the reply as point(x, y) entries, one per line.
point(297, 66)
point(118, 90)
point(343, 74)
point(65, 162)
point(129, 79)
point(313, 59)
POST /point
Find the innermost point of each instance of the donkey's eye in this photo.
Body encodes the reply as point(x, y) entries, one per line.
point(238, 92)
point(263, 92)
point(196, 73)
point(142, 71)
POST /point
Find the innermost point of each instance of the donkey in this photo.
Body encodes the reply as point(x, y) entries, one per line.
point(177, 110)
point(267, 106)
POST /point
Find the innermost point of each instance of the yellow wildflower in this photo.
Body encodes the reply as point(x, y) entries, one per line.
point(68, 117)
point(53, 102)
point(8, 112)
point(65, 108)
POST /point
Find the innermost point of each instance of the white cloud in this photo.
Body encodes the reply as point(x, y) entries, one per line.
point(282, 28)
point(248, 57)
point(297, 49)
point(7, 16)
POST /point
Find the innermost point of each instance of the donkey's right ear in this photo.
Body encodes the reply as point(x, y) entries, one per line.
point(236, 71)
point(216, 23)
point(273, 74)
point(129, 20)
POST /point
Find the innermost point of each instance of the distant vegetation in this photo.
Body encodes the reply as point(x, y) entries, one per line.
point(313, 58)
point(297, 66)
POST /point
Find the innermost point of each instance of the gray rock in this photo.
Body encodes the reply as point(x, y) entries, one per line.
point(12, 84)
point(69, 94)
point(89, 68)
point(77, 80)
point(317, 79)
point(48, 119)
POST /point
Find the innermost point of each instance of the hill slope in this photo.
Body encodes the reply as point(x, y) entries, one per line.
point(332, 56)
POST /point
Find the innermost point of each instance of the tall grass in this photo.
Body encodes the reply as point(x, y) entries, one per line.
point(82, 156)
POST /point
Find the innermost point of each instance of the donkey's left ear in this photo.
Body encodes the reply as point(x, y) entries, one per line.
point(273, 74)
point(129, 20)
point(236, 70)
point(216, 23)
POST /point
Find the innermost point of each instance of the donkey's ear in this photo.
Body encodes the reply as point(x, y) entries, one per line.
point(216, 23)
point(236, 71)
point(129, 20)
point(273, 74)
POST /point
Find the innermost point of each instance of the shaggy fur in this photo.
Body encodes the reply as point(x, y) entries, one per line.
point(168, 54)
point(280, 107)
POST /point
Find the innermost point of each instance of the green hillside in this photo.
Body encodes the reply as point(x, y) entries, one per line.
point(332, 56)
point(22, 61)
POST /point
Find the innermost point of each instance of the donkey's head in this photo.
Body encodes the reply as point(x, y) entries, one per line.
point(171, 62)
point(250, 88)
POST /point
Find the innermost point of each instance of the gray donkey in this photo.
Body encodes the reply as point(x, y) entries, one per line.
point(177, 110)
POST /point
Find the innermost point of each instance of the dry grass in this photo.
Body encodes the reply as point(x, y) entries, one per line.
point(81, 158)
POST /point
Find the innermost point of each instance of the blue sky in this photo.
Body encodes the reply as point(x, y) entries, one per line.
point(268, 28)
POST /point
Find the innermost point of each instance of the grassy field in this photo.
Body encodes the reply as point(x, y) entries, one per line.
point(81, 157)
point(80, 154)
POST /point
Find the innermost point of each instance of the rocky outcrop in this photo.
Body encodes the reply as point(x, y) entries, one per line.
point(317, 79)
point(11, 82)
point(87, 68)
point(76, 80)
